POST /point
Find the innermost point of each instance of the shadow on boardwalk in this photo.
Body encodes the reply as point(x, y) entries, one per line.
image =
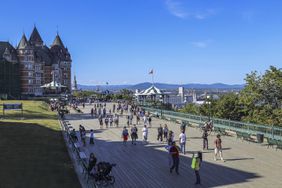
point(146, 165)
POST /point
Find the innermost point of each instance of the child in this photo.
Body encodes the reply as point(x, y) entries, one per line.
point(124, 135)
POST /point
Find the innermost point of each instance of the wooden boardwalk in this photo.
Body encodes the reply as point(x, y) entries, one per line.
point(247, 164)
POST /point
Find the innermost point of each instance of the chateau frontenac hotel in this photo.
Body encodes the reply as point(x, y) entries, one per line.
point(31, 64)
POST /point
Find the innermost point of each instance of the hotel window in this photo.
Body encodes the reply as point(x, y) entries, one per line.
point(30, 74)
point(30, 81)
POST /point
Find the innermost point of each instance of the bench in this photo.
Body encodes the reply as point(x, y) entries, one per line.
point(219, 130)
point(270, 142)
point(278, 145)
point(244, 136)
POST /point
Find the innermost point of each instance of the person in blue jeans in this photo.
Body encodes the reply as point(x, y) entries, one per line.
point(182, 141)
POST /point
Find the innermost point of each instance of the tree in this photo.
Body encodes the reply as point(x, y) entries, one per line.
point(228, 107)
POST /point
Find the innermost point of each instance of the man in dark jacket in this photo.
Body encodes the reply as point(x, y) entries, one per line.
point(160, 133)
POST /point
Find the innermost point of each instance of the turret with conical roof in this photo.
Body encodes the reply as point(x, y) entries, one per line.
point(58, 41)
point(23, 43)
point(35, 38)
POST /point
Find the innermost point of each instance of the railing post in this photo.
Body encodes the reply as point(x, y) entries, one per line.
point(272, 131)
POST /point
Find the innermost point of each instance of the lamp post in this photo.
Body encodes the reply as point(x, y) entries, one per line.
point(209, 103)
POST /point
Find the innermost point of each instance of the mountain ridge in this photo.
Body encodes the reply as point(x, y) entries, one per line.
point(166, 86)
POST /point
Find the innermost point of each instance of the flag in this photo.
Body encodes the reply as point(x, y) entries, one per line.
point(151, 72)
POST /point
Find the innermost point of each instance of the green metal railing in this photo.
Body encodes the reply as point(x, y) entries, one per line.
point(273, 132)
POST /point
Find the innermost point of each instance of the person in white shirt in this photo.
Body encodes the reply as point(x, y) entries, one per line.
point(145, 133)
point(182, 141)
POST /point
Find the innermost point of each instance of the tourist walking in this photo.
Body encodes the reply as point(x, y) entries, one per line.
point(183, 127)
point(205, 140)
point(92, 112)
point(170, 137)
point(137, 119)
point(150, 121)
point(127, 120)
point(107, 122)
point(160, 133)
point(145, 133)
point(218, 148)
point(196, 165)
point(81, 129)
point(91, 141)
point(165, 132)
point(182, 141)
point(111, 121)
point(134, 135)
point(83, 137)
point(175, 157)
point(124, 135)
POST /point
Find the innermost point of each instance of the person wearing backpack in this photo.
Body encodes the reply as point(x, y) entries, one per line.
point(196, 165)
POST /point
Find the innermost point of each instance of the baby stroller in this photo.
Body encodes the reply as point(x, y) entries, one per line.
point(103, 175)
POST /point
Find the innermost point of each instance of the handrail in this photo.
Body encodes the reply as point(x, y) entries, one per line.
point(273, 132)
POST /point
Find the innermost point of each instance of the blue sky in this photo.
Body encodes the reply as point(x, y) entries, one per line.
point(184, 41)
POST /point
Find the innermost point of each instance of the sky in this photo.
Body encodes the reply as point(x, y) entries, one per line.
point(183, 41)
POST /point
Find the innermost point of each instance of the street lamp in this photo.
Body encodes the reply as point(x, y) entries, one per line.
point(209, 103)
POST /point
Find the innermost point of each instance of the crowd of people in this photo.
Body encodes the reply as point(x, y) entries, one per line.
point(111, 118)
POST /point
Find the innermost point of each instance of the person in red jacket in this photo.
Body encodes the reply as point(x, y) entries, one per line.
point(175, 157)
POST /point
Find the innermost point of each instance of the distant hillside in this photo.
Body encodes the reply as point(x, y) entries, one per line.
point(145, 85)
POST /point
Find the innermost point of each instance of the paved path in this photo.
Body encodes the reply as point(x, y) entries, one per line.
point(247, 164)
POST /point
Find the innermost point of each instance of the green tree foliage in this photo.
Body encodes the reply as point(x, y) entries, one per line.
point(191, 109)
point(259, 102)
point(261, 98)
point(228, 107)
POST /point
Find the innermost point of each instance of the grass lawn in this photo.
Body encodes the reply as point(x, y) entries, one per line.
point(33, 152)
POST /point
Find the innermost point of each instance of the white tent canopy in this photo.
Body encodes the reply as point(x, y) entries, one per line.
point(53, 85)
point(153, 90)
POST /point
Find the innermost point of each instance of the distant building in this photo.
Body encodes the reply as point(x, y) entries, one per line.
point(9, 72)
point(39, 64)
point(181, 93)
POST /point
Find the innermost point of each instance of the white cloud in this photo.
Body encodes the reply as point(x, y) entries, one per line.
point(177, 8)
point(201, 44)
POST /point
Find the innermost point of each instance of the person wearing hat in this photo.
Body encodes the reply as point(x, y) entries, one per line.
point(175, 157)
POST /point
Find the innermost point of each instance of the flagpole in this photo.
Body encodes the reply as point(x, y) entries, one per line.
point(153, 78)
